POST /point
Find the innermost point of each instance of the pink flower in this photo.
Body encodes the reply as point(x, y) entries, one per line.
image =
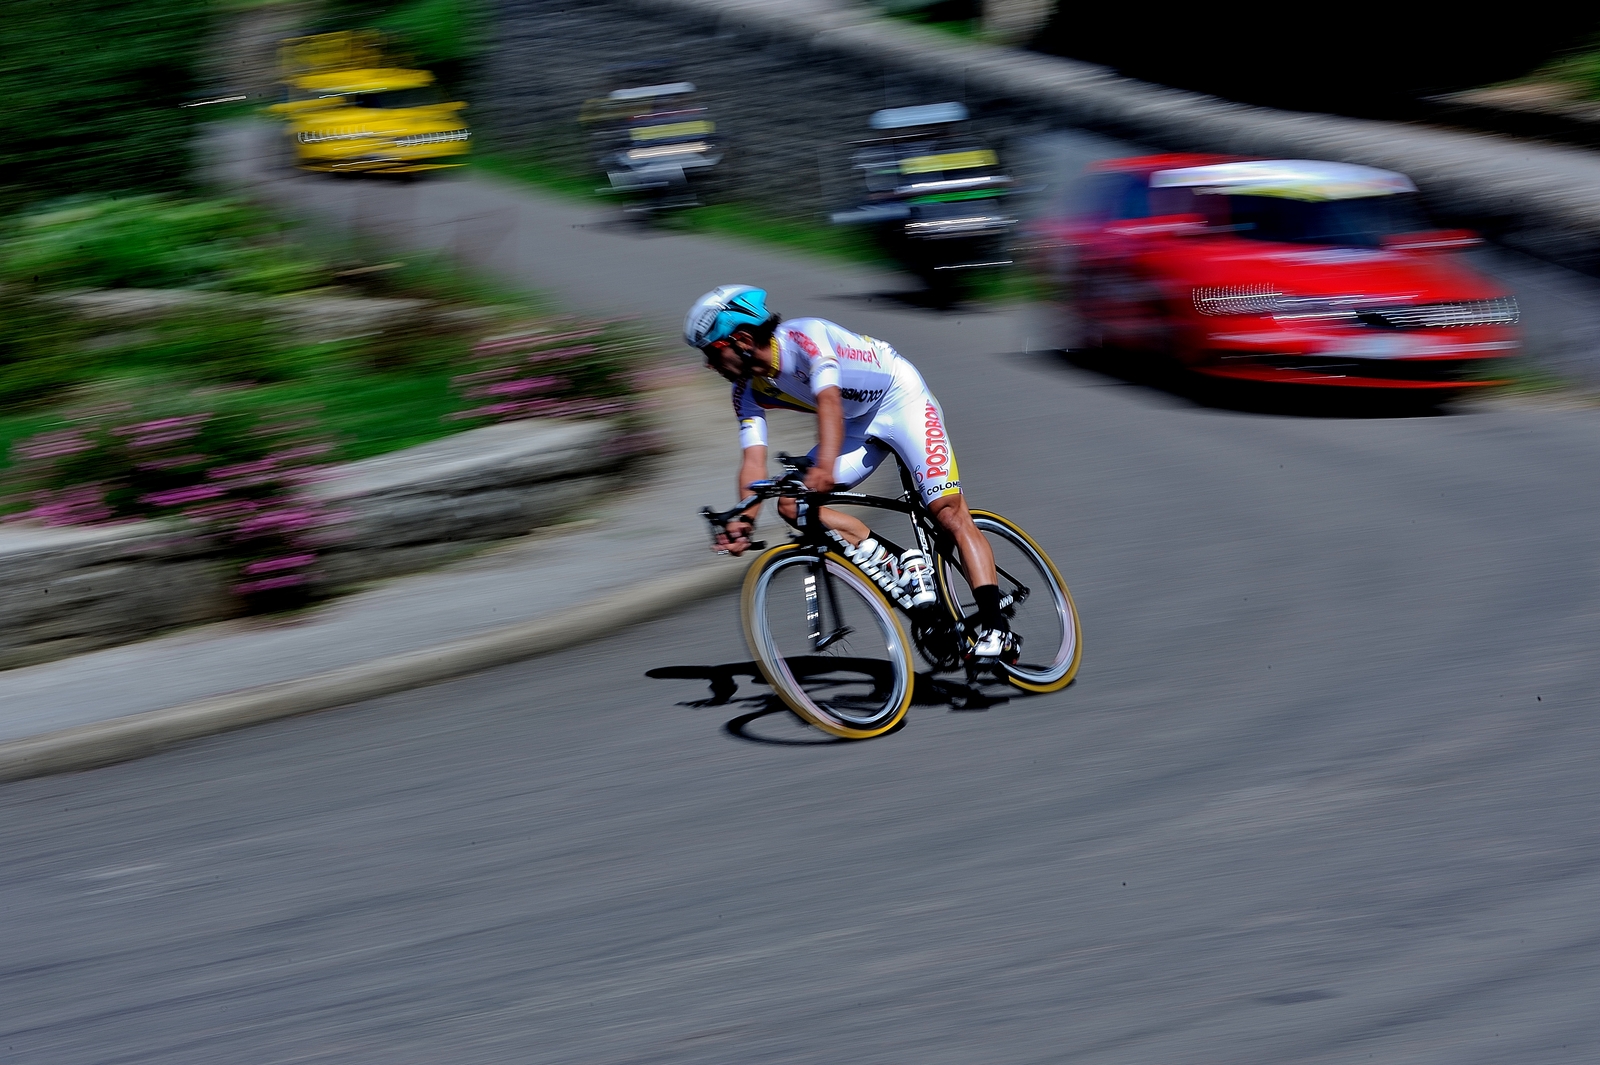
point(283, 521)
point(54, 445)
point(79, 505)
point(161, 424)
point(524, 386)
point(178, 497)
point(272, 565)
point(559, 353)
point(243, 469)
point(269, 584)
point(495, 374)
point(171, 463)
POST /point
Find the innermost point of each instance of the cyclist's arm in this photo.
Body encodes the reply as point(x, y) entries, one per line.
point(830, 439)
point(752, 468)
point(735, 538)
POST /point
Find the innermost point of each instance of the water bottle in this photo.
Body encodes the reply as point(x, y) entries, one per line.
point(914, 565)
point(905, 575)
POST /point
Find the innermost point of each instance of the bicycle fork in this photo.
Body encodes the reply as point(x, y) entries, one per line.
point(814, 620)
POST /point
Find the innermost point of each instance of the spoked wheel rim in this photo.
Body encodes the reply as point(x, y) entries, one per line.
point(856, 687)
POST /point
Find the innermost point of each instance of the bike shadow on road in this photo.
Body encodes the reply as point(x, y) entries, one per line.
point(1164, 375)
point(766, 720)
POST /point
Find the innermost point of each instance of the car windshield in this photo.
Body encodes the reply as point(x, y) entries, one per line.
point(392, 99)
point(1362, 222)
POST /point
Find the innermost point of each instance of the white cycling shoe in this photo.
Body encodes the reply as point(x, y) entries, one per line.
point(994, 646)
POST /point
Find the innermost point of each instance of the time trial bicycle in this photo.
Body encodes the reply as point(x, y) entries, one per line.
point(821, 618)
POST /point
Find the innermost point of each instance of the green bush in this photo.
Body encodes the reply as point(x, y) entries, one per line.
point(443, 36)
point(213, 347)
point(151, 241)
point(92, 90)
point(436, 31)
point(389, 388)
point(40, 353)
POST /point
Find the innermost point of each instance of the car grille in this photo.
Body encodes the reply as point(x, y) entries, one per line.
point(416, 140)
point(1501, 311)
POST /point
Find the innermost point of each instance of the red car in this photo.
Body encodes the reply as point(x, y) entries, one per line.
point(1291, 271)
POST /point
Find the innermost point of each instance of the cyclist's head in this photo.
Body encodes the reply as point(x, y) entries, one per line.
point(730, 317)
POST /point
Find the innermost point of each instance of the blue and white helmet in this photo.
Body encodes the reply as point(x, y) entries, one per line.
point(723, 310)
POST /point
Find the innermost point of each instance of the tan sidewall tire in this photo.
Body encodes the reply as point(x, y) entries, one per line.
point(758, 651)
point(1066, 594)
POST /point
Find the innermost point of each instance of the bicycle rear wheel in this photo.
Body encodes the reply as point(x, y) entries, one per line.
point(858, 684)
point(1040, 608)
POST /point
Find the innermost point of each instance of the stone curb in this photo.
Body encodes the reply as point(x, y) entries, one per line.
point(137, 735)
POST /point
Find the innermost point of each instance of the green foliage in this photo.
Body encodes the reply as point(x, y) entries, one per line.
point(436, 32)
point(92, 90)
point(440, 35)
point(39, 351)
point(1580, 70)
point(151, 241)
point(387, 389)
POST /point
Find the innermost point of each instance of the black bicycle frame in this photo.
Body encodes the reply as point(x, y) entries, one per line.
point(933, 541)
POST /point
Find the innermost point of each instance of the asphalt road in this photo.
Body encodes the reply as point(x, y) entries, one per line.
point(1322, 792)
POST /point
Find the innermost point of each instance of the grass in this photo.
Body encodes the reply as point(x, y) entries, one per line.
point(366, 414)
point(525, 167)
point(1578, 71)
point(733, 219)
point(372, 413)
point(372, 394)
point(1524, 376)
point(749, 223)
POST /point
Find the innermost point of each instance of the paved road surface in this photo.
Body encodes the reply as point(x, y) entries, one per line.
point(1323, 792)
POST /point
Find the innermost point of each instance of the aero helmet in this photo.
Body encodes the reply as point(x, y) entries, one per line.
point(723, 310)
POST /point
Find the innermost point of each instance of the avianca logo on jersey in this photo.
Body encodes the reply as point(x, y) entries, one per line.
point(858, 354)
point(935, 444)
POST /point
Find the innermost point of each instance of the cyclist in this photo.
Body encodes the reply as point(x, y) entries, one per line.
point(868, 401)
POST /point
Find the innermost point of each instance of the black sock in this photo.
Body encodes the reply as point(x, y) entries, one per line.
point(989, 616)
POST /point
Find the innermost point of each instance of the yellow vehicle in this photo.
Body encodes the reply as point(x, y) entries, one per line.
point(345, 112)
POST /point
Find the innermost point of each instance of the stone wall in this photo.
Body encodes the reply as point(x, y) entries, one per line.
point(788, 109)
point(420, 506)
point(65, 591)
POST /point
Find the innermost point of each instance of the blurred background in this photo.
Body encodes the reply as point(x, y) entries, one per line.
point(130, 272)
point(1281, 330)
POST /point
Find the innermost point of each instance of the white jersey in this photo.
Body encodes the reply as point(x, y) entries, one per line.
point(887, 406)
point(812, 354)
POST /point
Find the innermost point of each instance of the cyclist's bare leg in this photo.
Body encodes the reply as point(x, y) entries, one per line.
point(853, 529)
point(976, 558)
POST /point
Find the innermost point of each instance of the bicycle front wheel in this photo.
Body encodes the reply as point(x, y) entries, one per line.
point(1036, 602)
point(836, 656)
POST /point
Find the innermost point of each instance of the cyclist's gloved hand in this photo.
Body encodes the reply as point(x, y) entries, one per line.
point(735, 538)
point(819, 479)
